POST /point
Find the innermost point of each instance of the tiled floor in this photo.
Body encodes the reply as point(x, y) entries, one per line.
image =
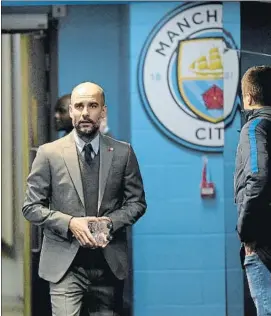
point(12, 285)
point(12, 306)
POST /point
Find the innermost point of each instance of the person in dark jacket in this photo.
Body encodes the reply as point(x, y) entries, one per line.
point(63, 121)
point(252, 186)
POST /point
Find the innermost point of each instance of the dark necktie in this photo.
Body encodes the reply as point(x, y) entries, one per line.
point(88, 153)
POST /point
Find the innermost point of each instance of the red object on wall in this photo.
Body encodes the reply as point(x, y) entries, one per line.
point(207, 187)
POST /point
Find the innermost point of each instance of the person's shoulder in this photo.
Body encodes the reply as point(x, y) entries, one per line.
point(257, 127)
point(121, 147)
point(264, 124)
point(115, 142)
point(56, 145)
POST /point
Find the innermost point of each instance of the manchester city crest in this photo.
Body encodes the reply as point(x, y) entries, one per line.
point(188, 76)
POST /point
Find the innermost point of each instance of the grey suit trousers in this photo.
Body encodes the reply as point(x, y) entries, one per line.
point(87, 290)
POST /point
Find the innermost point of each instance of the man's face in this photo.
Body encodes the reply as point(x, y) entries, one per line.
point(62, 117)
point(87, 110)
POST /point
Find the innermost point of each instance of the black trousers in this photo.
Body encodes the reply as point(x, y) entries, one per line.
point(88, 289)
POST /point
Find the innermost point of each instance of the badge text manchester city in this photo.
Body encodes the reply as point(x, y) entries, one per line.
point(188, 76)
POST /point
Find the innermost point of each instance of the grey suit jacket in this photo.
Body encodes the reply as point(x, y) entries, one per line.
point(54, 194)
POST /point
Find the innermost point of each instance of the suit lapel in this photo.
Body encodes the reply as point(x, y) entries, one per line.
point(106, 156)
point(71, 160)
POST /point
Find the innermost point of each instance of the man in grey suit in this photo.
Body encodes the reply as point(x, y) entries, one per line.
point(81, 178)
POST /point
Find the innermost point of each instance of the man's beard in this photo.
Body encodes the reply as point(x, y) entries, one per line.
point(87, 133)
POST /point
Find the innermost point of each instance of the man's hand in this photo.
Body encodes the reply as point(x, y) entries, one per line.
point(79, 227)
point(107, 219)
point(104, 239)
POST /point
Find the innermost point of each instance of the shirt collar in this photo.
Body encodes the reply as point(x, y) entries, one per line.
point(80, 143)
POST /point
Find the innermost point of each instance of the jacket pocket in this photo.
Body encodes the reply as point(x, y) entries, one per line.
point(50, 235)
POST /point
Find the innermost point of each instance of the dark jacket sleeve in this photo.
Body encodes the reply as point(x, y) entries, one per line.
point(256, 174)
point(134, 205)
point(36, 207)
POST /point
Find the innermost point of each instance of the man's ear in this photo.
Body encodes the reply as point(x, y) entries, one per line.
point(249, 99)
point(104, 113)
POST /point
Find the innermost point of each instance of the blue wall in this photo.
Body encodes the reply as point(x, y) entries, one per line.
point(234, 276)
point(180, 264)
point(185, 249)
point(92, 47)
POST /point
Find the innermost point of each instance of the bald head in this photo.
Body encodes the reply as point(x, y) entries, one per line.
point(87, 108)
point(85, 90)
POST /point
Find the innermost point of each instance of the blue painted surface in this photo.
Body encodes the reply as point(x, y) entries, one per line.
point(180, 263)
point(185, 249)
point(89, 50)
point(234, 273)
